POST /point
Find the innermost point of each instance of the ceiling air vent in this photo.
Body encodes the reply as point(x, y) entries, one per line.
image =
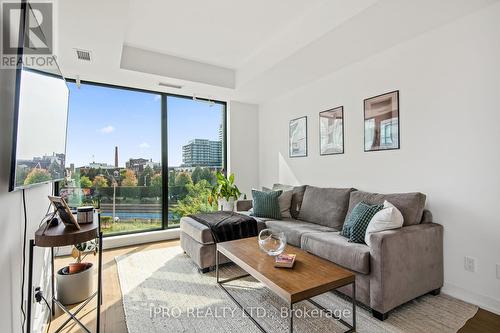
point(83, 55)
point(169, 85)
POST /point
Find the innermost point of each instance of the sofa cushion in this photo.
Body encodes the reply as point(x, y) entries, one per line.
point(337, 249)
point(297, 198)
point(411, 205)
point(294, 230)
point(325, 206)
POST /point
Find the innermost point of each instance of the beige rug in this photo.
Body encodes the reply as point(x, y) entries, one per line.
point(163, 292)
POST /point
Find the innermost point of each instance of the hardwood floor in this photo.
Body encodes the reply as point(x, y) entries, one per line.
point(113, 317)
point(484, 322)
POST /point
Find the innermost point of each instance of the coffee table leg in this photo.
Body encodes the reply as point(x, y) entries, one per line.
point(291, 318)
point(216, 262)
point(354, 306)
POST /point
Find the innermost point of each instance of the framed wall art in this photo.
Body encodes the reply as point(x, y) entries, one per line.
point(331, 131)
point(381, 117)
point(297, 137)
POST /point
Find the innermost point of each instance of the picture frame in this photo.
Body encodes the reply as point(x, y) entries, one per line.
point(64, 212)
point(331, 131)
point(382, 122)
point(297, 137)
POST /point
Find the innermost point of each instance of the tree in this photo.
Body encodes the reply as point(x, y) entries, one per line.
point(156, 180)
point(156, 184)
point(55, 170)
point(209, 176)
point(85, 182)
point(179, 190)
point(129, 179)
point(21, 174)
point(196, 199)
point(37, 176)
point(171, 177)
point(100, 182)
point(183, 179)
point(146, 176)
point(196, 175)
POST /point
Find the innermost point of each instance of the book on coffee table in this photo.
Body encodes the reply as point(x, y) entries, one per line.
point(285, 260)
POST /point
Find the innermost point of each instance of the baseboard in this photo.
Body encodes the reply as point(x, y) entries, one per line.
point(131, 239)
point(485, 302)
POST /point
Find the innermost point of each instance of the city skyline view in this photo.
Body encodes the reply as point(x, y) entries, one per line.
point(101, 118)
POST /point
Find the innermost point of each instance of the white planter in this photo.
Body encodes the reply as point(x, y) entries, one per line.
point(225, 205)
point(74, 288)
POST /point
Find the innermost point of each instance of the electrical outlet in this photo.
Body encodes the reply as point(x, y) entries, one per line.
point(470, 264)
point(498, 271)
point(34, 290)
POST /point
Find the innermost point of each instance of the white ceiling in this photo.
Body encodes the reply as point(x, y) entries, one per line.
point(250, 51)
point(218, 32)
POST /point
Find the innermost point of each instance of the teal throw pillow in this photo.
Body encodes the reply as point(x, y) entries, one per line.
point(355, 215)
point(266, 204)
point(358, 229)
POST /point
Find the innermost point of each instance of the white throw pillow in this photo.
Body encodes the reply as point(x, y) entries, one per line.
point(388, 218)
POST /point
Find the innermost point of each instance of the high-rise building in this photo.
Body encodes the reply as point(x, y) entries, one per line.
point(202, 152)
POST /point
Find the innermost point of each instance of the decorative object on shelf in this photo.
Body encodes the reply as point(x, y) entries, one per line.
point(297, 137)
point(225, 192)
point(74, 283)
point(272, 242)
point(64, 212)
point(382, 122)
point(331, 131)
point(85, 214)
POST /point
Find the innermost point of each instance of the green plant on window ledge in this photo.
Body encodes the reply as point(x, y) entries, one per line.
point(225, 192)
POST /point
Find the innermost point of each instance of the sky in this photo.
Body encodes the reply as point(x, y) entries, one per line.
point(101, 118)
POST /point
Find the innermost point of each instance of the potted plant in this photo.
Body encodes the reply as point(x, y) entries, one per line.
point(74, 282)
point(225, 192)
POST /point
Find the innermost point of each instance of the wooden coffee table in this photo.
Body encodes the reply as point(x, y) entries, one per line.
point(310, 276)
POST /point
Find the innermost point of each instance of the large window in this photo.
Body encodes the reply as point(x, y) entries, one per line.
point(122, 141)
point(196, 151)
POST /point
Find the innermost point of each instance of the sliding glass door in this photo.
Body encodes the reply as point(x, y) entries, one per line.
point(122, 141)
point(196, 151)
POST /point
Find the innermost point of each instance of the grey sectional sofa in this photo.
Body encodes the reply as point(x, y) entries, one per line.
point(399, 266)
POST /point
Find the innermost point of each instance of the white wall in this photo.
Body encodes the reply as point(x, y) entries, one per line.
point(449, 83)
point(11, 222)
point(243, 146)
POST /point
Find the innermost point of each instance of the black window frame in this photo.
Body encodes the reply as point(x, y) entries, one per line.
point(164, 144)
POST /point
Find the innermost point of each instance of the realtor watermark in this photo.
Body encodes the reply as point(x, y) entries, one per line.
point(27, 35)
point(161, 311)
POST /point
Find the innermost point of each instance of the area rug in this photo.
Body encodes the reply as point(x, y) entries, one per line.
point(164, 292)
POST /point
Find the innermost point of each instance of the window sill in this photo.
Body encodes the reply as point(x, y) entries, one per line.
point(111, 242)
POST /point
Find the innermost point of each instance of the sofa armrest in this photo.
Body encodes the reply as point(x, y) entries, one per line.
point(243, 205)
point(405, 263)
